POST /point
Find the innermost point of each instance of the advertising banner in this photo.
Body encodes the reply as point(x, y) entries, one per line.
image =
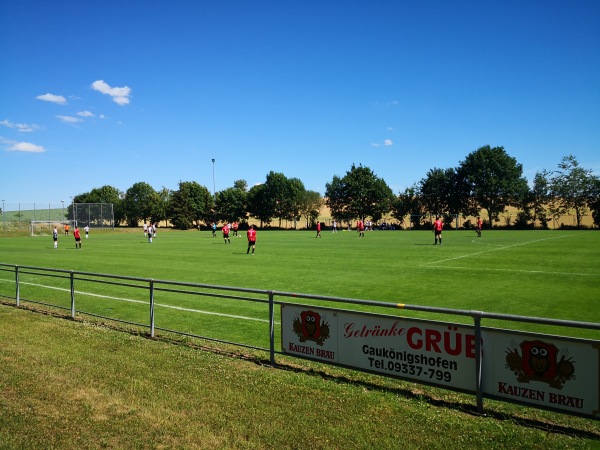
point(542, 370)
point(441, 354)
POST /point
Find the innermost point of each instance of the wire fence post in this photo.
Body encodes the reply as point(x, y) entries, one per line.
point(72, 275)
point(151, 308)
point(18, 288)
point(272, 327)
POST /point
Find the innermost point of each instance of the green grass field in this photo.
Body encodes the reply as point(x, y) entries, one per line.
point(540, 273)
point(217, 402)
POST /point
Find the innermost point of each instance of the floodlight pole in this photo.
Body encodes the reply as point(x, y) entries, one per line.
point(63, 209)
point(3, 218)
point(214, 190)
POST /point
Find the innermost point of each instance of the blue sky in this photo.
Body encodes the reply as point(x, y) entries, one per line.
point(117, 92)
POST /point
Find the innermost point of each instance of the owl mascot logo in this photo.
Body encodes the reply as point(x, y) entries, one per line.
point(538, 362)
point(310, 327)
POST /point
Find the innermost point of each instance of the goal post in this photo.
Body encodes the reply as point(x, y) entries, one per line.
point(46, 227)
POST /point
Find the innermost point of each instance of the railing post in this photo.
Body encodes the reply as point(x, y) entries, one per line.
point(151, 308)
point(18, 287)
point(272, 327)
point(72, 275)
point(478, 360)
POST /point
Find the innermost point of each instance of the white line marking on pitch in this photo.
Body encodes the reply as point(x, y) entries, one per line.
point(475, 241)
point(495, 249)
point(540, 272)
point(179, 308)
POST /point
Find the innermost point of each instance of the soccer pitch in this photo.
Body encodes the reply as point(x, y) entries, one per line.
point(554, 274)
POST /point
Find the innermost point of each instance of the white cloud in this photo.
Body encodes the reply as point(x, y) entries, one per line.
point(85, 114)
point(120, 95)
point(386, 143)
point(26, 147)
point(69, 119)
point(21, 127)
point(53, 98)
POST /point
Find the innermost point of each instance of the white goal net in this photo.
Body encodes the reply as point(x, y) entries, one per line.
point(46, 227)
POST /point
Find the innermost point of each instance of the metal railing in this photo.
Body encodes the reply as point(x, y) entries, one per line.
point(222, 299)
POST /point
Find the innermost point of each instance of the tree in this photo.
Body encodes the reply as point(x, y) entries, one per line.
point(291, 205)
point(446, 191)
point(139, 203)
point(156, 211)
point(284, 195)
point(494, 180)
point(189, 205)
point(334, 192)
point(241, 185)
point(311, 205)
point(525, 216)
point(595, 202)
point(259, 205)
point(278, 196)
point(407, 203)
point(573, 187)
point(460, 200)
point(540, 198)
point(230, 204)
point(164, 197)
point(436, 190)
point(275, 191)
point(104, 194)
point(359, 194)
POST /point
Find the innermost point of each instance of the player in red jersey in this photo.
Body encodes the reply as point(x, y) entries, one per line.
point(77, 237)
point(438, 226)
point(225, 231)
point(479, 226)
point(361, 228)
point(251, 233)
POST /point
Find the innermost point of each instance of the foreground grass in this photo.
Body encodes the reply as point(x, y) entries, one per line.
point(68, 385)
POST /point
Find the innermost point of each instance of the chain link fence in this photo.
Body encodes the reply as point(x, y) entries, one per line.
point(19, 215)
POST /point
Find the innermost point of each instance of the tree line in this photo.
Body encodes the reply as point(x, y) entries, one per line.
point(487, 179)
